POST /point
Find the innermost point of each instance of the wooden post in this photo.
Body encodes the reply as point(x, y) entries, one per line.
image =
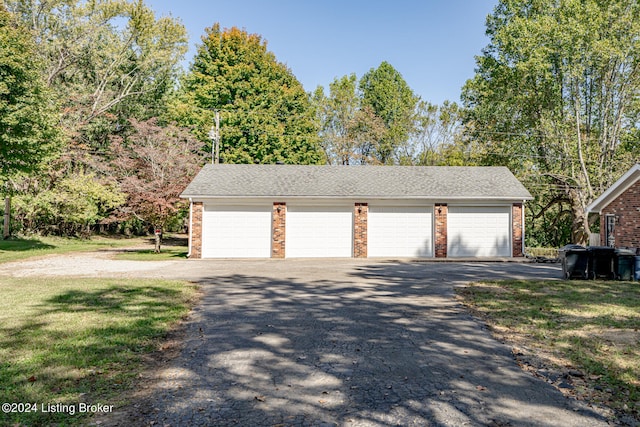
point(7, 217)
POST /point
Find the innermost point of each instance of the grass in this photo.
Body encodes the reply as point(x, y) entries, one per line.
point(173, 247)
point(20, 248)
point(542, 252)
point(591, 328)
point(66, 341)
point(150, 255)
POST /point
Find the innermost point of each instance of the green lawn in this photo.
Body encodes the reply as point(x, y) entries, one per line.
point(21, 248)
point(590, 327)
point(167, 252)
point(66, 341)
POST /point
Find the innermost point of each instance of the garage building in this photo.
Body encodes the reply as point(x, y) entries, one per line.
point(289, 211)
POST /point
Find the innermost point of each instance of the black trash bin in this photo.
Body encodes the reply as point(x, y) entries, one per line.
point(574, 261)
point(601, 260)
point(624, 264)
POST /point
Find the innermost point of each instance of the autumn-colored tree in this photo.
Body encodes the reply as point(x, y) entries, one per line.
point(265, 112)
point(153, 165)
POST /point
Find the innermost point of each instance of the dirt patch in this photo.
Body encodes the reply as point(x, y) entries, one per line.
point(618, 337)
point(86, 264)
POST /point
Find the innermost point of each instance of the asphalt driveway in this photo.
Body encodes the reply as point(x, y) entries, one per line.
point(346, 343)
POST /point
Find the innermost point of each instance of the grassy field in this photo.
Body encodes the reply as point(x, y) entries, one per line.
point(26, 247)
point(22, 248)
point(65, 341)
point(587, 330)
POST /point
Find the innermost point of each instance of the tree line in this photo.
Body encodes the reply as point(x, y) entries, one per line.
point(101, 129)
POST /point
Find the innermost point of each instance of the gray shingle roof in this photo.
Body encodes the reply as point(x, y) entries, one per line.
point(393, 182)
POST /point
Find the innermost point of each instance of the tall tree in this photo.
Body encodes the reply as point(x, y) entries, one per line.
point(107, 60)
point(389, 96)
point(104, 61)
point(349, 132)
point(29, 132)
point(556, 95)
point(155, 164)
point(437, 137)
point(265, 112)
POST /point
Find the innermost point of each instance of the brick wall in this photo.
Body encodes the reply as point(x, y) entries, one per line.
point(441, 230)
point(196, 230)
point(360, 215)
point(516, 221)
point(278, 230)
point(627, 209)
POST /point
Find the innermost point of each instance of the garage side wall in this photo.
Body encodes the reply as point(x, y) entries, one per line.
point(195, 243)
point(517, 232)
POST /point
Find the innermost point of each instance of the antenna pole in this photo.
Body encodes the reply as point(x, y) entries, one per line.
point(214, 134)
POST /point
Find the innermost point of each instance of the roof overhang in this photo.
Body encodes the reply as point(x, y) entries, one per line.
point(438, 199)
point(613, 192)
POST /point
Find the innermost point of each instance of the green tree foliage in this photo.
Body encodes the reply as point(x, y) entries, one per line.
point(556, 97)
point(390, 98)
point(349, 132)
point(352, 132)
point(28, 122)
point(265, 112)
point(107, 61)
point(437, 137)
point(104, 62)
point(69, 208)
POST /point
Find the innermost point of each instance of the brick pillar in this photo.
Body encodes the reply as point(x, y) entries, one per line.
point(278, 229)
point(361, 212)
point(441, 230)
point(516, 220)
point(196, 230)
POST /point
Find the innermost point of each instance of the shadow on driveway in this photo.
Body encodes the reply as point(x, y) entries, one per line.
point(354, 344)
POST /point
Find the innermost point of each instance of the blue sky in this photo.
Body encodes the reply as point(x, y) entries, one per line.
point(432, 43)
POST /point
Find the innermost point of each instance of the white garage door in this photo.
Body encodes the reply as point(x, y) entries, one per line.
point(403, 231)
point(236, 232)
point(319, 231)
point(478, 231)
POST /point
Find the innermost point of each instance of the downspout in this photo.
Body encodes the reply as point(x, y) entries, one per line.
point(190, 226)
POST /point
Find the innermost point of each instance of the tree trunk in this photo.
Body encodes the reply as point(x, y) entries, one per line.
point(158, 242)
point(6, 233)
point(580, 229)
